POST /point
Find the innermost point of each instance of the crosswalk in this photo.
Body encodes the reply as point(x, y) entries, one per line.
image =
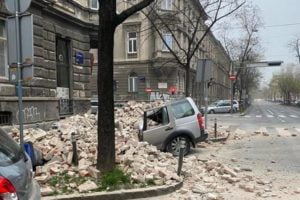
point(263, 116)
point(272, 116)
point(279, 131)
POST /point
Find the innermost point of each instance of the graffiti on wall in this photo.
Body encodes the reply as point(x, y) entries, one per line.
point(30, 114)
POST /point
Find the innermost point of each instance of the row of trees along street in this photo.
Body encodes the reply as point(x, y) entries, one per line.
point(244, 48)
point(285, 85)
point(200, 26)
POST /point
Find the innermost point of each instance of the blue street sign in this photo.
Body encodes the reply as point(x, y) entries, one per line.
point(79, 58)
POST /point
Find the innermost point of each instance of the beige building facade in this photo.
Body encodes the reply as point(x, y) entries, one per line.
point(144, 67)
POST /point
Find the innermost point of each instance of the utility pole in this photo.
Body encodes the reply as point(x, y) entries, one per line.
point(17, 7)
point(19, 65)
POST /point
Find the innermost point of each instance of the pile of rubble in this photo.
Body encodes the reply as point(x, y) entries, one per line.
point(143, 161)
point(206, 178)
point(139, 159)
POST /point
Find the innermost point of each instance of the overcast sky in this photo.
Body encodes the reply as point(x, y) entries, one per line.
point(282, 22)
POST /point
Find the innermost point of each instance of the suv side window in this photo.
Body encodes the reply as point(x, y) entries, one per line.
point(182, 109)
point(157, 117)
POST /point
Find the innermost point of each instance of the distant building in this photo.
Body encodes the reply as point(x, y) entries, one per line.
point(142, 61)
point(64, 32)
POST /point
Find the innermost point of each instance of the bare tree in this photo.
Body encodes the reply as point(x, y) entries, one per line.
point(294, 46)
point(245, 47)
point(108, 21)
point(195, 27)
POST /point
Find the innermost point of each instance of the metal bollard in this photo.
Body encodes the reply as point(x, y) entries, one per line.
point(216, 128)
point(180, 159)
point(75, 155)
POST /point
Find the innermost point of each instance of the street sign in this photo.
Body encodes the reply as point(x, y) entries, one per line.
point(232, 77)
point(172, 89)
point(11, 5)
point(204, 72)
point(26, 34)
point(163, 85)
point(148, 90)
point(79, 58)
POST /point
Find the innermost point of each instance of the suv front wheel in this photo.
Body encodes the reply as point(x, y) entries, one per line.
point(174, 145)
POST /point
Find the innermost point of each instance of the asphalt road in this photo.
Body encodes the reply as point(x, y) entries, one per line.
point(273, 158)
point(271, 116)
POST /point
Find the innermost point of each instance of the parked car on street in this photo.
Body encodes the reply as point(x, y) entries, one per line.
point(235, 105)
point(16, 173)
point(166, 126)
point(223, 106)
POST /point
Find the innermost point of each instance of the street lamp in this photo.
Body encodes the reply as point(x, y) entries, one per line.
point(254, 65)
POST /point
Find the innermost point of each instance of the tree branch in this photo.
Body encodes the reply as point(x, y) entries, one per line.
point(130, 11)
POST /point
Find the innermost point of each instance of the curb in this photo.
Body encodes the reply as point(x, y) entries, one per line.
point(121, 194)
point(219, 139)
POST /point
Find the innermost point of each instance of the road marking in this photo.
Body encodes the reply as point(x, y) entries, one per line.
point(247, 116)
point(270, 116)
point(280, 119)
point(258, 116)
point(282, 116)
point(270, 112)
point(294, 116)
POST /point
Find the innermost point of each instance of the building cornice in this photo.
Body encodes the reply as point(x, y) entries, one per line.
point(48, 6)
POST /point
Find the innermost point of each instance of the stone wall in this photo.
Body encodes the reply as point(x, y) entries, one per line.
point(40, 93)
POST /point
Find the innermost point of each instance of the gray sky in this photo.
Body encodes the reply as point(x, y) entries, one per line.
point(278, 17)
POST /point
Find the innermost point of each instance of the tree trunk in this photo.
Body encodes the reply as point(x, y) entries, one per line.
point(187, 81)
point(106, 132)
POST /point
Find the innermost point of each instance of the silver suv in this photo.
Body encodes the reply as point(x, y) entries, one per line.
point(165, 127)
point(16, 174)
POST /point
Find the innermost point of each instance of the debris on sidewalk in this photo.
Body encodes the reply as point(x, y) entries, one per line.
point(142, 161)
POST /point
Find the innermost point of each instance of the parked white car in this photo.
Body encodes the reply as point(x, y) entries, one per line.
point(223, 106)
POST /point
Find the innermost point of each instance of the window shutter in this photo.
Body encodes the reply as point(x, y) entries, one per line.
point(135, 84)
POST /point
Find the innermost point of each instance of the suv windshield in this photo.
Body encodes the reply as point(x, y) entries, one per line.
point(10, 152)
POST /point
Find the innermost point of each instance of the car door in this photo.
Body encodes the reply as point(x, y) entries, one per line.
point(158, 124)
point(220, 107)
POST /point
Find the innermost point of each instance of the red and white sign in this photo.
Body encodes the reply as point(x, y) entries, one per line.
point(232, 77)
point(172, 89)
point(148, 90)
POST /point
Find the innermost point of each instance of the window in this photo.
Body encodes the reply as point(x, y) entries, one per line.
point(132, 42)
point(3, 52)
point(166, 4)
point(169, 41)
point(182, 109)
point(133, 82)
point(10, 151)
point(157, 117)
point(94, 4)
point(62, 62)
